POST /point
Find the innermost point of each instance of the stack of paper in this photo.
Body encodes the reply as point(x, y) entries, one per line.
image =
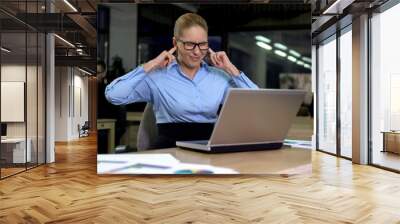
point(298, 143)
point(152, 164)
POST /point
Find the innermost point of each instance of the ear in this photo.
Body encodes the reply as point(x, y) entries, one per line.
point(174, 41)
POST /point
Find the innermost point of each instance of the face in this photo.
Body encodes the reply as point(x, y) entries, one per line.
point(191, 58)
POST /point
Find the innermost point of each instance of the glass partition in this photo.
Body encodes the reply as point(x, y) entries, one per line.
point(22, 90)
point(13, 94)
point(327, 96)
point(346, 93)
point(385, 89)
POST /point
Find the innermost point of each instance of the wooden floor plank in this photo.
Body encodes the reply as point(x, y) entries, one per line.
point(70, 191)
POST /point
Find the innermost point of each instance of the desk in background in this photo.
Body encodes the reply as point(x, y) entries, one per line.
point(13, 150)
point(109, 125)
point(132, 126)
point(391, 141)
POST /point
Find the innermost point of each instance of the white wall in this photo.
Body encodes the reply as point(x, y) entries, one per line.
point(71, 93)
point(33, 126)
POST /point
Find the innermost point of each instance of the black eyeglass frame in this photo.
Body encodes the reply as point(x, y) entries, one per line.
point(194, 45)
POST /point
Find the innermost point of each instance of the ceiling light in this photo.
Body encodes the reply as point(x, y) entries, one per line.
point(280, 53)
point(307, 66)
point(5, 49)
point(291, 58)
point(65, 41)
point(306, 59)
point(294, 53)
point(70, 5)
point(280, 46)
point(262, 38)
point(264, 45)
point(86, 72)
point(300, 62)
point(337, 7)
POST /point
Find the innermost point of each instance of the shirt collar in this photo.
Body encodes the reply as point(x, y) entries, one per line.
point(175, 63)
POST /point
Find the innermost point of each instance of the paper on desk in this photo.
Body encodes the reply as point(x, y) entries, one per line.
point(189, 168)
point(152, 164)
point(298, 143)
point(179, 168)
point(108, 163)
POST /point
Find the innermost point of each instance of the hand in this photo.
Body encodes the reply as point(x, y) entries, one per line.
point(161, 61)
point(220, 60)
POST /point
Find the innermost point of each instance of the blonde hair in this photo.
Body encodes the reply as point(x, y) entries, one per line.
point(188, 20)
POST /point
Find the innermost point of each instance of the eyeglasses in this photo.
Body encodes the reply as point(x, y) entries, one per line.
point(190, 46)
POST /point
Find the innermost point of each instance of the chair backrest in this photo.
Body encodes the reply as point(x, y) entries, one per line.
point(148, 133)
point(86, 126)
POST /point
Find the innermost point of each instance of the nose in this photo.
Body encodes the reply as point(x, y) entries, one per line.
point(197, 50)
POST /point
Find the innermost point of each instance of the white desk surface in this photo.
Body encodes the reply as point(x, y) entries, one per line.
point(13, 140)
point(285, 161)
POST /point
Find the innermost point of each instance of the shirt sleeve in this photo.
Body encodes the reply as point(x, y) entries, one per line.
point(129, 88)
point(241, 81)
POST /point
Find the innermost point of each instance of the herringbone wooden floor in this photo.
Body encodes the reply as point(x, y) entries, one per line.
point(69, 191)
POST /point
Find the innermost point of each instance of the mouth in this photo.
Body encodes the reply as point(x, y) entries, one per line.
point(195, 58)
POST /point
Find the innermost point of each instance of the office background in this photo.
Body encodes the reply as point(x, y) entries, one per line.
point(357, 83)
point(22, 78)
point(270, 43)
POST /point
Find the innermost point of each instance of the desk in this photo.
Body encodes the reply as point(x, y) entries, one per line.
point(132, 126)
point(391, 141)
point(108, 124)
point(285, 161)
point(16, 147)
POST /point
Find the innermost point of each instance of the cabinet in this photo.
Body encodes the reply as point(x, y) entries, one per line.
point(391, 141)
point(109, 125)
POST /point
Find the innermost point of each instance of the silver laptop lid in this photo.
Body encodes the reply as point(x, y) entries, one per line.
point(251, 116)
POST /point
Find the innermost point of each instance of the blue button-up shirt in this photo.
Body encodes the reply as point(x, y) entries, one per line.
point(175, 97)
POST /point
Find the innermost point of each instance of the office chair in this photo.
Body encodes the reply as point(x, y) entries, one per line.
point(148, 132)
point(83, 130)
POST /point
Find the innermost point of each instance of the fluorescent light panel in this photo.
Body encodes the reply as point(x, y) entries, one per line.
point(262, 39)
point(5, 50)
point(294, 53)
point(291, 58)
point(264, 45)
point(280, 46)
point(86, 72)
point(65, 41)
point(338, 6)
point(280, 53)
point(300, 62)
point(306, 59)
point(70, 5)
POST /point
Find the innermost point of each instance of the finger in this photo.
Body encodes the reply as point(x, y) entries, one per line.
point(218, 58)
point(164, 63)
point(170, 59)
point(213, 59)
point(164, 55)
point(172, 50)
point(211, 51)
point(217, 62)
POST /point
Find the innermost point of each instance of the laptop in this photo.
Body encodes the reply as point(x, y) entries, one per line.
point(251, 119)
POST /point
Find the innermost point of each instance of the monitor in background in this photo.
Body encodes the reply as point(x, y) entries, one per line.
point(3, 129)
